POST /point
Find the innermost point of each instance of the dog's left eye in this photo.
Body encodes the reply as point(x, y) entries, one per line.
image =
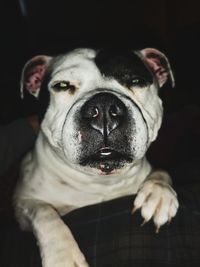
point(63, 86)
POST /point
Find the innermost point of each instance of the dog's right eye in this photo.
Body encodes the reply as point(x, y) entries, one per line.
point(63, 86)
point(140, 82)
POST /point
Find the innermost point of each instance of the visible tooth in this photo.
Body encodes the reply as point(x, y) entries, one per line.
point(105, 153)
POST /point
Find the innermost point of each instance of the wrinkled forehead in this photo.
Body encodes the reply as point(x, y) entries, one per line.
point(80, 60)
point(116, 64)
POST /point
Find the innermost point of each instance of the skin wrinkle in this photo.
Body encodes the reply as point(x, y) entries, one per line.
point(147, 142)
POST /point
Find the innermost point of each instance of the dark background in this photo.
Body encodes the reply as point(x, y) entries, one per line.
point(31, 27)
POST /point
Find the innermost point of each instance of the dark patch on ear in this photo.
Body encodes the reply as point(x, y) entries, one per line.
point(123, 65)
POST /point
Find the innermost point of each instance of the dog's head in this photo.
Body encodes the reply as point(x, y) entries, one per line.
point(102, 107)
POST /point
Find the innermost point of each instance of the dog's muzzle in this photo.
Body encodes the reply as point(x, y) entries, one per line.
point(104, 126)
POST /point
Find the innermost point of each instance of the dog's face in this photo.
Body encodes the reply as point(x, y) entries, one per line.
point(103, 107)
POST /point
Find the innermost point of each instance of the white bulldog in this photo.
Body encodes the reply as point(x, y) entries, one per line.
point(100, 112)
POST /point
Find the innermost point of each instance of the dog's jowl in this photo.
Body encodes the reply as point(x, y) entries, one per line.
point(99, 112)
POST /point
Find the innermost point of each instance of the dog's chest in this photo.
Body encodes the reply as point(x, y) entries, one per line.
point(68, 194)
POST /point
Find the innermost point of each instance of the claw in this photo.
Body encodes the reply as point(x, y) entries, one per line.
point(169, 221)
point(158, 228)
point(134, 210)
point(143, 223)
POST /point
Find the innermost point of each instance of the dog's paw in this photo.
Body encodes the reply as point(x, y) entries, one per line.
point(158, 201)
point(66, 258)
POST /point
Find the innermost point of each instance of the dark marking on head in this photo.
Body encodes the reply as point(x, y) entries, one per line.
point(124, 66)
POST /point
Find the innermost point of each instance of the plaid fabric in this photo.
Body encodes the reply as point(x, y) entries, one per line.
point(110, 236)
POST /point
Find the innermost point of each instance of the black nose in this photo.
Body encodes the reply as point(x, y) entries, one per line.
point(104, 112)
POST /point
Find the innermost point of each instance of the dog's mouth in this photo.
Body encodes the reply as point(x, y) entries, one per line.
point(106, 160)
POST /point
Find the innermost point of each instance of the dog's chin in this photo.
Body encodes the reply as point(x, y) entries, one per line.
point(106, 161)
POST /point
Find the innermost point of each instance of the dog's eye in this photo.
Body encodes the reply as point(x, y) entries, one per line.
point(138, 82)
point(63, 86)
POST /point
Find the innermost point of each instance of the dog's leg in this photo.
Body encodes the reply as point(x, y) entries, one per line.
point(157, 199)
point(58, 247)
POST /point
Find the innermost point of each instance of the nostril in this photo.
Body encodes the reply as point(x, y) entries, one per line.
point(94, 112)
point(91, 112)
point(116, 110)
point(113, 111)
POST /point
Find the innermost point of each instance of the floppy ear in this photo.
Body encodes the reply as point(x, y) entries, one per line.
point(158, 64)
point(33, 74)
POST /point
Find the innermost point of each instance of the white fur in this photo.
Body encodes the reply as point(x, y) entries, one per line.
point(52, 183)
